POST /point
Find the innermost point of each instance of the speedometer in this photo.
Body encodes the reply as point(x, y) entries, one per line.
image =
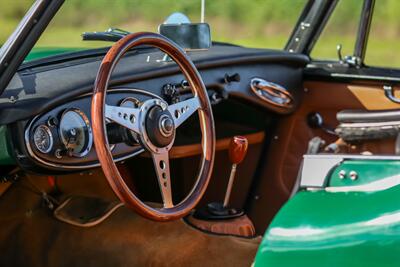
point(76, 133)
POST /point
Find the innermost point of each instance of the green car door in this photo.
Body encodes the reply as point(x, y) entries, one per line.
point(351, 221)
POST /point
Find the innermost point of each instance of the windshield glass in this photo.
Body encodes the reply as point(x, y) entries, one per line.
point(258, 23)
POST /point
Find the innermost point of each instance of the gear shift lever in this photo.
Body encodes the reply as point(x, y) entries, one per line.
point(237, 152)
point(219, 217)
point(222, 211)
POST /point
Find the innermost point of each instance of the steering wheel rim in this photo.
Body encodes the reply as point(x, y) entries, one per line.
point(136, 120)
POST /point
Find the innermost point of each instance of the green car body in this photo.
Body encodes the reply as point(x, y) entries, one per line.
point(39, 53)
point(339, 225)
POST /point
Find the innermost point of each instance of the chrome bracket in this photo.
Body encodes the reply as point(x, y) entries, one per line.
point(389, 93)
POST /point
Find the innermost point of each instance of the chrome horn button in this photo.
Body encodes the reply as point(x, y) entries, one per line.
point(156, 126)
point(166, 125)
point(159, 126)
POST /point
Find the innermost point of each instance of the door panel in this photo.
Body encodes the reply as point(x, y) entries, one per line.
point(293, 134)
point(372, 97)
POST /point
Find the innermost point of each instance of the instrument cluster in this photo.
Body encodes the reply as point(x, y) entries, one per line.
point(63, 137)
point(71, 136)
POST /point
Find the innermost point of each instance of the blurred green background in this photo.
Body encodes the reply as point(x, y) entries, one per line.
point(253, 23)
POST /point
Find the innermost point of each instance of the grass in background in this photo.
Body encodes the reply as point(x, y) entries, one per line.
point(255, 23)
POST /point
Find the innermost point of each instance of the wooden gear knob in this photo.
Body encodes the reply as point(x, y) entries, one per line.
point(238, 149)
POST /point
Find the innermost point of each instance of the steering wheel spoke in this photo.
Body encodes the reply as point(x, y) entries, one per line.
point(183, 110)
point(126, 117)
point(161, 164)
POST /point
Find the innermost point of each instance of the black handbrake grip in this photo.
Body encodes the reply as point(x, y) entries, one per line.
point(110, 35)
point(100, 36)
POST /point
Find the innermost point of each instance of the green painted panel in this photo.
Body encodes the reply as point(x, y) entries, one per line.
point(39, 53)
point(319, 228)
point(367, 170)
point(5, 155)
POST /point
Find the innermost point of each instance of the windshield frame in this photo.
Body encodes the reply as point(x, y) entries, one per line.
point(24, 37)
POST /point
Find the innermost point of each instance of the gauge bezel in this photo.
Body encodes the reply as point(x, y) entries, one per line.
point(130, 99)
point(89, 142)
point(51, 138)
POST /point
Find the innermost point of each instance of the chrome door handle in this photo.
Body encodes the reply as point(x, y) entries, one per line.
point(272, 93)
point(389, 94)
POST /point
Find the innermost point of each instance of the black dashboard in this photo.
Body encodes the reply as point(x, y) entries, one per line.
point(47, 104)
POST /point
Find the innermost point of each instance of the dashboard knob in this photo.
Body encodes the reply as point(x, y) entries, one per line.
point(60, 153)
point(237, 149)
point(52, 121)
point(232, 78)
point(315, 120)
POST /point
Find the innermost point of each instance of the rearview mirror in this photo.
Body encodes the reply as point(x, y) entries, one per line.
point(190, 36)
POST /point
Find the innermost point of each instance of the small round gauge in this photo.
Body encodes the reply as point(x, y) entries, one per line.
point(76, 133)
point(43, 139)
point(130, 102)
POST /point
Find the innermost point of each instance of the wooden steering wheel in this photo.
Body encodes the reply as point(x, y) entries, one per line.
point(155, 122)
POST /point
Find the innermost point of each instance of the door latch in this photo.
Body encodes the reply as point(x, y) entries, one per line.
point(389, 93)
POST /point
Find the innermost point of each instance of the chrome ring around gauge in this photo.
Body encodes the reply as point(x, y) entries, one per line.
point(130, 102)
point(43, 139)
point(75, 132)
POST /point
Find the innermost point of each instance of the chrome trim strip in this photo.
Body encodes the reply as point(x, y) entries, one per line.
point(379, 185)
point(352, 157)
point(316, 168)
point(80, 167)
point(369, 124)
point(366, 77)
point(113, 90)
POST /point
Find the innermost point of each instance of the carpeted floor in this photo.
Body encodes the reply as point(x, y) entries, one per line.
point(31, 236)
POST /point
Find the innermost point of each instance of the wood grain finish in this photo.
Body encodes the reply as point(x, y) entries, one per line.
point(110, 170)
point(372, 96)
point(184, 151)
point(238, 149)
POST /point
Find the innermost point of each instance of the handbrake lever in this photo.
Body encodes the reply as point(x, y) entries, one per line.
point(110, 35)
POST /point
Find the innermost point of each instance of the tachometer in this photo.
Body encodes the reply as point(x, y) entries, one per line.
point(76, 133)
point(43, 139)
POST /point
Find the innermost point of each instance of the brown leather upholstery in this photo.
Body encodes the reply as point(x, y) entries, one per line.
point(293, 134)
point(241, 226)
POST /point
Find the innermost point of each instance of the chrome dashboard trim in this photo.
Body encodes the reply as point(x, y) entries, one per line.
point(87, 166)
point(380, 185)
point(316, 168)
